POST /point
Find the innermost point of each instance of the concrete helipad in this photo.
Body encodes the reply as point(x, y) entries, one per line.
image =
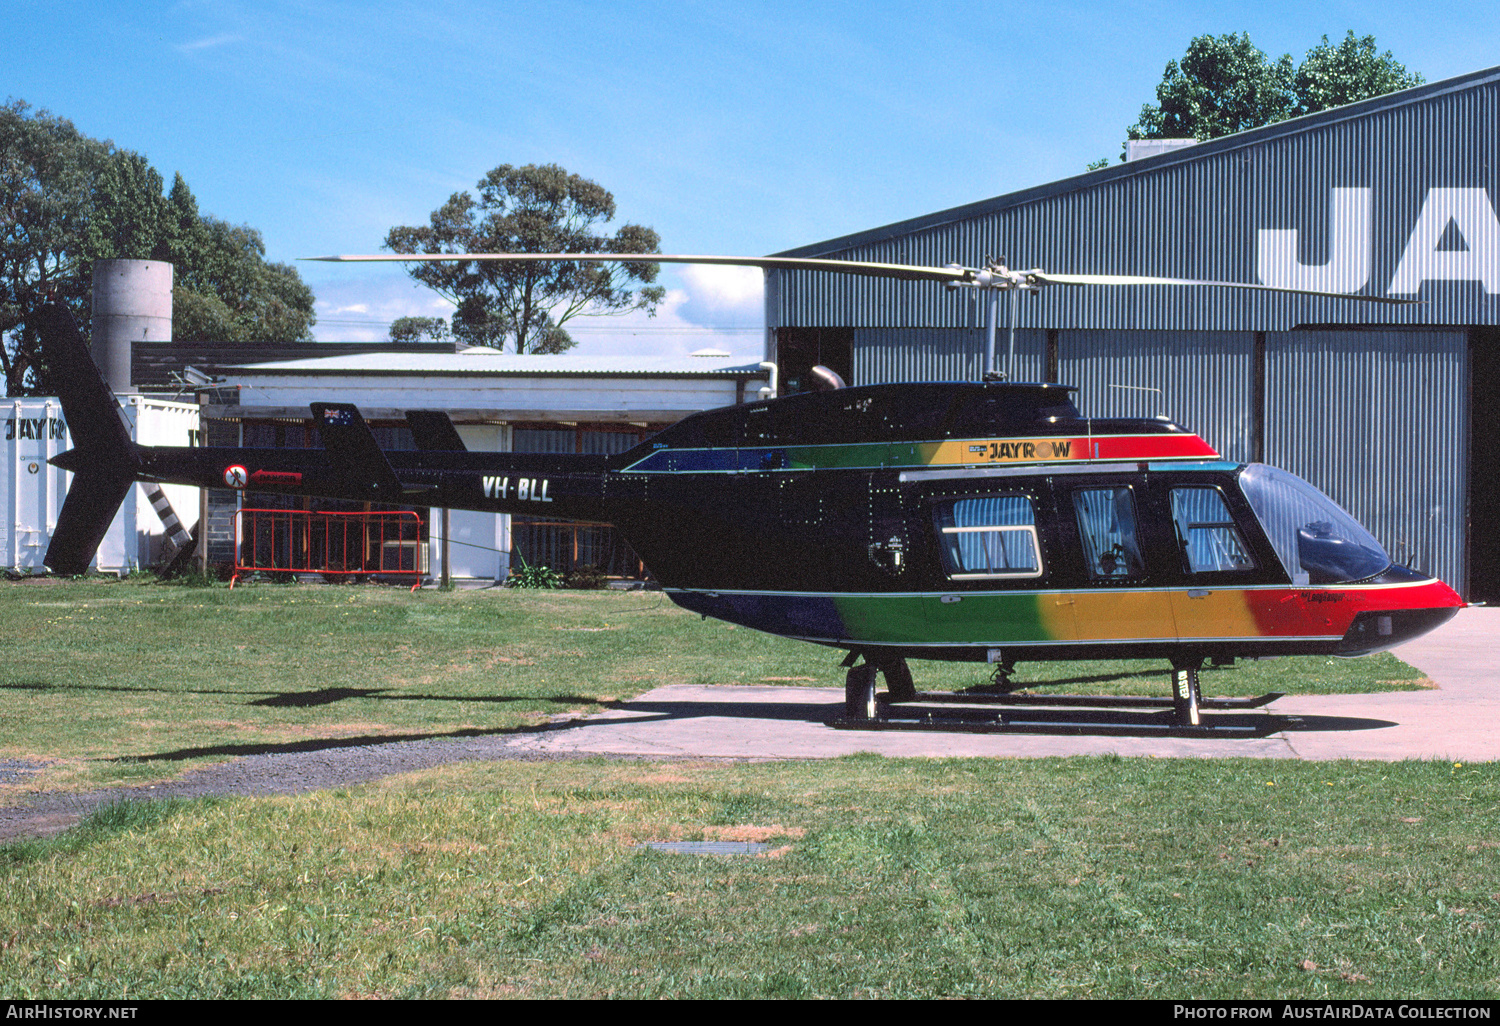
point(1459, 720)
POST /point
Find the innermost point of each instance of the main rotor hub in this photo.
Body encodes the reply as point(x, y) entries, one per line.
point(1001, 278)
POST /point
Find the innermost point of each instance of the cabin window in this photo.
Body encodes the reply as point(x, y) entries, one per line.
point(1206, 532)
point(1317, 541)
point(990, 537)
point(1106, 524)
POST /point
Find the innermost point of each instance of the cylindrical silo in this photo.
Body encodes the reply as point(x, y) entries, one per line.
point(132, 303)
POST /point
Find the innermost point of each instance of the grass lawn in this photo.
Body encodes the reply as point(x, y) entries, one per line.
point(1084, 877)
point(134, 680)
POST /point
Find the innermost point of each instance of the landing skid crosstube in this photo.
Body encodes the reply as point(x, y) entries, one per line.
point(902, 707)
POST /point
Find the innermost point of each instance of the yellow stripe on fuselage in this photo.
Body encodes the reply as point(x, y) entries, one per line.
point(1011, 450)
point(1214, 613)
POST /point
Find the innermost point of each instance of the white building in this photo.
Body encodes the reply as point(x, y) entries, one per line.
point(499, 403)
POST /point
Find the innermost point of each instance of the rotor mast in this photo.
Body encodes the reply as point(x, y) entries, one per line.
point(995, 277)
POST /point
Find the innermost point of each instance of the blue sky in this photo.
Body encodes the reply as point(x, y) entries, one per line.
point(745, 128)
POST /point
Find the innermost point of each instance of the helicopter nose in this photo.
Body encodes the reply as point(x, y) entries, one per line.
point(1378, 630)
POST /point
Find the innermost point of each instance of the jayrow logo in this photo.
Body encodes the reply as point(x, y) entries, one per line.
point(1350, 245)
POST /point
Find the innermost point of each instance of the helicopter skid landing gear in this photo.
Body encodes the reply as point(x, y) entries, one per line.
point(1187, 697)
point(860, 702)
point(859, 692)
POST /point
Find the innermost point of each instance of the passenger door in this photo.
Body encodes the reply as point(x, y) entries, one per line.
point(1216, 563)
point(1117, 602)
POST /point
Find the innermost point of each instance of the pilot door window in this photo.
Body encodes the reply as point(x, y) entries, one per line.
point(1106, 526)
point(1206, 532)
point(990, 537)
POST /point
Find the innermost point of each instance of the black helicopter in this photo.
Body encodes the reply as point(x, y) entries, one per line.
point(980, 521)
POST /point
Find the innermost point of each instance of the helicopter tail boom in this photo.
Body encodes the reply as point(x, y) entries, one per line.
point(349, 465)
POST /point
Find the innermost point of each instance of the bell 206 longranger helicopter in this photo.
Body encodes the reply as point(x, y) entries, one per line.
point(984, 521)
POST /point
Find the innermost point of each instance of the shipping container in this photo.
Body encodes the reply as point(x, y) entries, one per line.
point(35, 431)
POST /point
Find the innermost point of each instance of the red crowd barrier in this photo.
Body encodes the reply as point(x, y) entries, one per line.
point(300, 541)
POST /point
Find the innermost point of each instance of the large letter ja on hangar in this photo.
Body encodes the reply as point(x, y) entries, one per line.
point(1350, 249)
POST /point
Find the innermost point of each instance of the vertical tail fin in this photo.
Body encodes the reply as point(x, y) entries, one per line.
point(93, 415)
point(434, 430)
point(103, 460)
point(352, 448)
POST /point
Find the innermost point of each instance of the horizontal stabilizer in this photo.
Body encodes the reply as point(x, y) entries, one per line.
point(352, 449)
point(434, 431)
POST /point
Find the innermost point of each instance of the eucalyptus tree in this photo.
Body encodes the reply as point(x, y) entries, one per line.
point(530, 209)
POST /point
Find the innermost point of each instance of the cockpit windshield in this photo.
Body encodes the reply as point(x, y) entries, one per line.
point(1317, 541)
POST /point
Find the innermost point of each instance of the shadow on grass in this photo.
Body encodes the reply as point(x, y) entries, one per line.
point(291, 699)
point(333, 743)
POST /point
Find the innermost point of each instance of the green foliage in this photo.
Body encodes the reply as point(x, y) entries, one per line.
point(1225, 84)
point(229, 293)
point(1331, 76)
point(69, 201)
point(531, 209)
point(47, 170)
point(420, 329)
point(586, 576)
point(527, 576)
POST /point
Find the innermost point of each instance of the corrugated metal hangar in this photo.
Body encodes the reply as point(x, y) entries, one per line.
point(1386, 408)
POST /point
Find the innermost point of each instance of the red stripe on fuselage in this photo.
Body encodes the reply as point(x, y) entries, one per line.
point(1149, 447)
point(1299, 612)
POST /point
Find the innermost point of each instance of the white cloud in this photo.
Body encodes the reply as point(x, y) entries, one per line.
point(738, 290)
point(359, 307)
point(210, 42)
point(717, 310)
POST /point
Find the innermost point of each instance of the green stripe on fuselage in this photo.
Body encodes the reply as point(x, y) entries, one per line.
point(853, 456)
point(973, 620)
point(846, 457)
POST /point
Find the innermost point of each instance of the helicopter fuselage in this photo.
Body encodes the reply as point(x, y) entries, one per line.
point(954, 521)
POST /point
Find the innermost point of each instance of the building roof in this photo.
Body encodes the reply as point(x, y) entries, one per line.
point(489, 363)
point(159, 365)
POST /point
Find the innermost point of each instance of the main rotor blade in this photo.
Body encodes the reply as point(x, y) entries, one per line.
point(866, 268)
point(905, 272)
point(1048, 278)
